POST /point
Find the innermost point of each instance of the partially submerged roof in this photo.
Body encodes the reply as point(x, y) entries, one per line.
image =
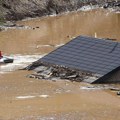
point(98, 56)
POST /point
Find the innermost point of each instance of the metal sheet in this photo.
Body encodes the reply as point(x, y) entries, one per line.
point(89, 54)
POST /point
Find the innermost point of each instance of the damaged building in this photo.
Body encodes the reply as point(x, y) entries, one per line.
point(83, 59)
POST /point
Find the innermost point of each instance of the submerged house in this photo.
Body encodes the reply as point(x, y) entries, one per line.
point(98, 57)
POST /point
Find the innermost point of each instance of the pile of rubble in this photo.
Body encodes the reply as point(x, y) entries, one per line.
point(52, 72)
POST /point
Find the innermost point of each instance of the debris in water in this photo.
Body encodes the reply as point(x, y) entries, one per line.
point(90, 88)
point(49, 45)
point(100, 87)
point(20, 61)
point(5, 59)
point(58, 72)
point(115, 89)
point(12, 25)
point(44, 96)
point(30, 96)
point(95, 35)
point(25, 97)
point(118, 93)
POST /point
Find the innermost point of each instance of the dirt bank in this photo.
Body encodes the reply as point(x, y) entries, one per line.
point(20, 9)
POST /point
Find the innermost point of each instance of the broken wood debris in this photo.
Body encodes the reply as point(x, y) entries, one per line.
point(53, 72)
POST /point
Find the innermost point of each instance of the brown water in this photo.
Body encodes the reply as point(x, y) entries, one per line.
point(63, 100)
point(58, 30)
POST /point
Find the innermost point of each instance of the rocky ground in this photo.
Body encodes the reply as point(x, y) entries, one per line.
point(20, 9)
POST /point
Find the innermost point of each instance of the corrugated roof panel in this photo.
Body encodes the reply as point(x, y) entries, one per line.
point(85, 53)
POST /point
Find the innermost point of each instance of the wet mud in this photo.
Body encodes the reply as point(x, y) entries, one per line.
point(24, 98)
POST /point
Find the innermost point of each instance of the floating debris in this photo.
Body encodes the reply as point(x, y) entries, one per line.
point(44, 96)
point(20, 61)
point(30, 96)
point(90, 88)
point(25, 97)
point(12, 25)
point(115, 89)
point(118, 93)
point(49, 45)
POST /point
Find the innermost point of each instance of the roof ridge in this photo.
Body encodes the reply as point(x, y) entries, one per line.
point(103, 39)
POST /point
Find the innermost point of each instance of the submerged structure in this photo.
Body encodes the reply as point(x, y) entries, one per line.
point(84, 58)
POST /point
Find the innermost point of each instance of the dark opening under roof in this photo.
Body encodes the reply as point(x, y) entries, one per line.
point(98, 56)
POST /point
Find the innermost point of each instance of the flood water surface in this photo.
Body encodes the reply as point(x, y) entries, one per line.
point(48, 32)
point(23, 98)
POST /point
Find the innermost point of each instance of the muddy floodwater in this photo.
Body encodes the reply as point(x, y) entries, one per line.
point(22, 98)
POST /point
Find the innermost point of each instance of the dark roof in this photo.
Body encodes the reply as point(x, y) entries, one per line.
point(98, 56)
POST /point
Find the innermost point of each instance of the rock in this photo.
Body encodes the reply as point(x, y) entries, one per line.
point(106, 5)
point(111, 4)
point(20, 9)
